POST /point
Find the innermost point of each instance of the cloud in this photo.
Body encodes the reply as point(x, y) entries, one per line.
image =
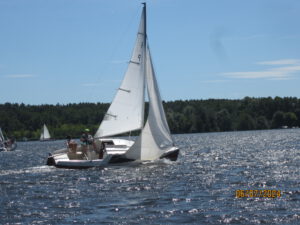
point(286, 70)
point(19, 76)
point(281, 62)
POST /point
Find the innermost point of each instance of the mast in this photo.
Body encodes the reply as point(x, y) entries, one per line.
point(145, 59)
point(145, 21)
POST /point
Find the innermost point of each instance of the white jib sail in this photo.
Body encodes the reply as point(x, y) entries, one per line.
point(45, 133)
point(155, 137)
point(1, 136)
point(126, 112)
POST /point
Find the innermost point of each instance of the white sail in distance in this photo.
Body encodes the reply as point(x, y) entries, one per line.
point(126, 112)
point(2, 139)
point(45, 133)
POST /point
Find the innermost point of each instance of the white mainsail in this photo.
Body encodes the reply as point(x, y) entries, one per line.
point(45, 135)
point(126, 112)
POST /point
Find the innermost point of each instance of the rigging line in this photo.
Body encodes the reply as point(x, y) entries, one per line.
point(107, 65)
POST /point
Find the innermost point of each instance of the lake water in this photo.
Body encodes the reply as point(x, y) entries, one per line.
point(199, 188)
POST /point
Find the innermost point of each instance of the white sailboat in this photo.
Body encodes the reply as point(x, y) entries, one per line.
point(126, 114)
point(2, 141)
point(45, 135)
point(7, 144)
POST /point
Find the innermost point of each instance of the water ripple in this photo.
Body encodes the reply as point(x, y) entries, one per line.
point(197, 189)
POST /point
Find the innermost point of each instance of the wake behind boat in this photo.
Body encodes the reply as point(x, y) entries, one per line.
point(126, 114)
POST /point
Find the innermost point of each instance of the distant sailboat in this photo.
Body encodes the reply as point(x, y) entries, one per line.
point(45, 135)
point(126, 114)
point(7, 144)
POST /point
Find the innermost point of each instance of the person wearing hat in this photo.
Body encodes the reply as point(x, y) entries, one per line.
point(86, 140)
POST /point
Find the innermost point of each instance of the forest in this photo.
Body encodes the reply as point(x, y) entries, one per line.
point(184, 116)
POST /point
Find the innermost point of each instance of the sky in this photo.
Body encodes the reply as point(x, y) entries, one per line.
point(71, 51)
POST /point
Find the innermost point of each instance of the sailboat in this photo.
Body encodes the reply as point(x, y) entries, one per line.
point(7, 144)
point(126, 114)
point(45, 135)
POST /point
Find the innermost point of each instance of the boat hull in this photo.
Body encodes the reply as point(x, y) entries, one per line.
point(171, 154)
point(78, 159)
point(115, 153)
point(62, 161)
point(81, 164)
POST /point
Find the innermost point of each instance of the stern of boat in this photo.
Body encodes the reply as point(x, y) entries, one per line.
point(171, 154)
point(50, 160)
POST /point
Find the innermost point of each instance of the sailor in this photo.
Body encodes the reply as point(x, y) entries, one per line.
point(71, 144)
point(69, 139)
point(101, 150)
point(86, 140)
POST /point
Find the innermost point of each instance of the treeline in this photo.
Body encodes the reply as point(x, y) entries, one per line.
point(188, 116)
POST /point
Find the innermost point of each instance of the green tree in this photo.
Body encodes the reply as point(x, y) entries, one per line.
point(278, 120)
point(223, 120)
point(262, 123)
point(290, 119)
point(245, 122)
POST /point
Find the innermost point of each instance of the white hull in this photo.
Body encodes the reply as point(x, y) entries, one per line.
point(81, 164)
point(118, 151)
point(76, 159)
point(114, 153)
point(63, 160)
point(170, 154)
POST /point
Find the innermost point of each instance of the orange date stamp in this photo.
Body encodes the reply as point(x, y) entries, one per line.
point(257, 193)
